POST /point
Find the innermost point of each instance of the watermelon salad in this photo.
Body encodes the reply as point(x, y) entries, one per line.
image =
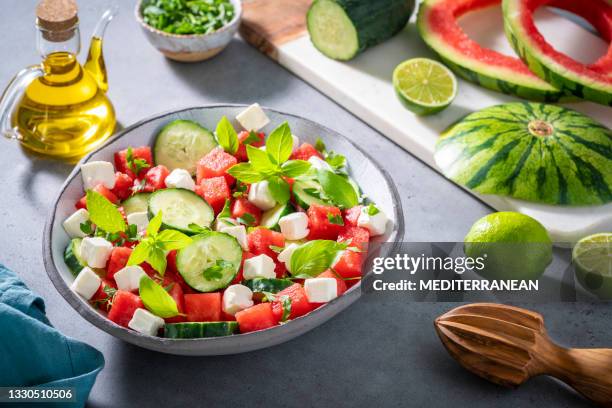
point(211, 234)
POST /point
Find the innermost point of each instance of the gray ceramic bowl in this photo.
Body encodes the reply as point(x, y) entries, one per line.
point(375, 182)
point(190, 48)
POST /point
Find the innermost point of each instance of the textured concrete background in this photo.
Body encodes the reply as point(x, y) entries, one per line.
point(373, 354)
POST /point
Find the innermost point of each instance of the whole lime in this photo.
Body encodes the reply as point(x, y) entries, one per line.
point(592, 258)
point(513, 246)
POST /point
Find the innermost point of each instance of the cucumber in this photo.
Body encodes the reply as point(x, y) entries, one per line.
point(136, 203)
point(267, 284)
point(181, 143)
point(72, 256)
point(341, 29)
point(270, 218)
point(302, 191)
point(194, 330)
point(180, 207)
point(210, 250)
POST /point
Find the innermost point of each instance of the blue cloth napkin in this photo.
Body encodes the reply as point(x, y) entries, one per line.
point(33, 352)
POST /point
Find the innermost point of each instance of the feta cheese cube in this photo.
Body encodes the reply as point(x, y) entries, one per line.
point(95, 251)
point(140, 220)
point(321, 290)
point(86, 283)
point(263, 148)
point(253, 118)
point(72, 224)
point(225, 222)
point(375, 223)
point(319, 164)
point(237, 298)
point(296, 143)
point(285, 255)
point(260, 266)
point(145, 322)
point(128, 278)
point(238, 232)
point(294, 226)
point(260, 195)
point(98, 172)
point(180, 178)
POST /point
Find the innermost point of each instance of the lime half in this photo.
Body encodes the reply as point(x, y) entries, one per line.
point(424, 86)
point(592, 257)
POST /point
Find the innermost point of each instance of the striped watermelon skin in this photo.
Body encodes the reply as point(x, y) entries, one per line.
point(590, 82)
point(530, 151)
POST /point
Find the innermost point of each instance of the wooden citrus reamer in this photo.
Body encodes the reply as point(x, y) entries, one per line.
point(508, 345)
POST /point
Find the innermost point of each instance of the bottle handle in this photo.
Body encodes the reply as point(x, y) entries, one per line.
point(10, 96)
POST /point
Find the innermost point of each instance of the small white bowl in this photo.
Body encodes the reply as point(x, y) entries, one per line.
point(190, 47)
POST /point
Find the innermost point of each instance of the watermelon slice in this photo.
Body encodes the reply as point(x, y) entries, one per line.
point(437, 23)
point(592, 82)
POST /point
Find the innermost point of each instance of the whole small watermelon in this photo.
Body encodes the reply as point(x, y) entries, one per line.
point(530, 151)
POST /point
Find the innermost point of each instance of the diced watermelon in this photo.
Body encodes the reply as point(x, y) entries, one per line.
point(256, 317)
point(241, 154)
point(319, 223)
point(299, 302)
point(123, 185)
point(331, 274)
point(143, 152)
point(242, 206)
point(177, 294)
point(123, 307)
point(351, 215)
point(100, 188)
point(215, 164)
point(101, 299)
point(155, 179)
point(117, 261)
point(359, 237)
point(349, 264)
point(215, 191)
point(305, 152)
point(260, 240)
point(203, 307)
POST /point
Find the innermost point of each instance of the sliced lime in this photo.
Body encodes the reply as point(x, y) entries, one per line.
point(592, 257)
point(424, 86)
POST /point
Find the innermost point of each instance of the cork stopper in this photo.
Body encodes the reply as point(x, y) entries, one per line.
point(57, 19)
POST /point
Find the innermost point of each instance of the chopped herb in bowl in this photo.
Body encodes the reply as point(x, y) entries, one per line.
point(186, 17)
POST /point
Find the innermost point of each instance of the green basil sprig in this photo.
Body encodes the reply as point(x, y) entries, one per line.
point(314, 257)
point(156, 299)
point(338, 189)
point(227, 136)
point(103, 213)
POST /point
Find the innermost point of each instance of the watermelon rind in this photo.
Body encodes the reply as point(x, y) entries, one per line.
point(548, 68)
point(530, 151)
point(497, 78)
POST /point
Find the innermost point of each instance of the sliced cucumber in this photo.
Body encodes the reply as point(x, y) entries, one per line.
point(180, 207)
point(181, 143)
point(136, 203)
point(307, 192)
point(341, 29)
point(210, 262)
point(72, 256)
point(270, 218)
point(194, 330)
point(267, 284)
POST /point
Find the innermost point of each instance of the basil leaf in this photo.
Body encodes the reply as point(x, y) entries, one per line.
point(215, 272)
point(320, 146)
point(279, 189)
point(135, 164)
point(198, 229)
point(337, 161)
point(156, 299)
point(225, 212)
point(253, 137)
point(246, 219)
point(154, 225)
point(140, 253)
point(260, 160)
point(169, 240)
point(103, 213)
point(280, 144)
point(295, 168)
point(314, 257)
point(157, 259)
point(226, 136)
point(338, 189)
point(246, 173)
point(335, 219)
point(86, 227)
point(286, 304)
point(371, 210)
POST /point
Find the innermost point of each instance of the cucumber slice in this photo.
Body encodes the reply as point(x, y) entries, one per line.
point(136, 203)
point(267, 284)
point(270, 218)
point(306, 191)
point(194, 330)
point(72, 256)
point(180, 207)
point(181, 143)
point(194, 262)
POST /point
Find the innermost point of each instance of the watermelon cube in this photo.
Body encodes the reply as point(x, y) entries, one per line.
point(215, 191)
point(358, 237)
point(121, 163)
point(319, 222)
point(155, 179)
point(242, 206)
point(123, 185)
point(123, 307)
point(117, 260)
point(215, 164)
point(351, 215)
point(241, 154)
point(305, 152)
point(203, 307)
point(349, 264)
point(299, 302)
point(256, 317)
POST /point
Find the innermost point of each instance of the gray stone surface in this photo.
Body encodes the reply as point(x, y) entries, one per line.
point(373, 354)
